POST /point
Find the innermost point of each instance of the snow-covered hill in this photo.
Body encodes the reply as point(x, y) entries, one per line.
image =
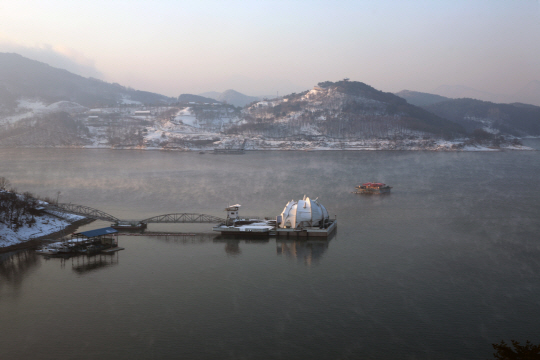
point(344, 110)
point(332, 116)
point(45, 224)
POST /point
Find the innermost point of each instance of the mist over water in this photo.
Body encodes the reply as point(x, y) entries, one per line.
point(441, 268)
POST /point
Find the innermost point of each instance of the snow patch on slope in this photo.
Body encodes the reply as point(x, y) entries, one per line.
point(46, 224)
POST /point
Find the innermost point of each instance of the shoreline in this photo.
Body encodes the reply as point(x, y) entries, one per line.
point(211, 151)
point(33, 243)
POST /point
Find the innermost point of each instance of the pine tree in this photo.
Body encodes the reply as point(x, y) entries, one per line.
point(520, 352)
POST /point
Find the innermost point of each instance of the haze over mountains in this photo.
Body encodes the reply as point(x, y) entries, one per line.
point(515, 119)
point(190, 98)
point(24, 78)
point(529, 94)
point(231, 97)
point(420, 98)
point(37, 97)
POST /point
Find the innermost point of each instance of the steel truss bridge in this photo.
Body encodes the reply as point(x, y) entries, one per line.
point(96, 214)
point(82, 210)
point(183, 218)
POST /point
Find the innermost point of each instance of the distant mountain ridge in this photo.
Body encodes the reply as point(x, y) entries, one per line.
point(419, 98)
point(509, 119)
point(516, 119)
point(24, 78)
point(211, 94)
point(231, 97)
point(187, 98)
point(341, 110)
point(529, 94)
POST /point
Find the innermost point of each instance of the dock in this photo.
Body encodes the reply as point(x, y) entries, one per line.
point(307, 232)
point(311, 221)
point(104, 240)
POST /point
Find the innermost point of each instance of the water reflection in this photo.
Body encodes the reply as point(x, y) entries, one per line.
point(86, 264)
point(181, 238)
point(455, 244)
point(307, 251)
point(233, 247)
point(14, 266)
point(232, 242)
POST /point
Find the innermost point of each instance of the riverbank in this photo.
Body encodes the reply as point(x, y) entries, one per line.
point(300, 145)
point(50, 224)
point(35, 242)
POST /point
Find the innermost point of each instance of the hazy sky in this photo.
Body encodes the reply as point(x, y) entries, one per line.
point(260, 47)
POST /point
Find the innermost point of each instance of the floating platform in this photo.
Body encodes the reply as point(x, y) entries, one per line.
point(302, 218)
point(308, 232)
point(265, 229)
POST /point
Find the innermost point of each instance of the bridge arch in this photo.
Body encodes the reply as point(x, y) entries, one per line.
point(183, 218)
point(83, 211)
point(165, 218)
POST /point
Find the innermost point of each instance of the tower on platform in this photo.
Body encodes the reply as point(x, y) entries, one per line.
point(232, 213)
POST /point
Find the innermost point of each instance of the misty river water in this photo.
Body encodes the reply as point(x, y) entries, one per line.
point(441, 268)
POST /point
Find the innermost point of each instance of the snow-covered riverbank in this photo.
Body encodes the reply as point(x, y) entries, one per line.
point(184, 142)
point(45, 224)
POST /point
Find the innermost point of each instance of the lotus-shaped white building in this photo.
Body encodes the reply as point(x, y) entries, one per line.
point(303, 214)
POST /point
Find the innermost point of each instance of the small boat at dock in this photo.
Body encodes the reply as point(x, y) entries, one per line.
point(128, 225)
point(47, 251)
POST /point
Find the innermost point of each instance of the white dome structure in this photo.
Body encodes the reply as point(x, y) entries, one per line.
point(303, 213)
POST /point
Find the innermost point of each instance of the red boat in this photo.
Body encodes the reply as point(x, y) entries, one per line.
point(373, 188)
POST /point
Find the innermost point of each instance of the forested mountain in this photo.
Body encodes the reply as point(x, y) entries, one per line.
point(187, 98)
point(24, 78)
point(344, 109)
point(419, 98)
point(232, 97)
point(44, 106)
point(514, 119)
point(461, 91)
point(529, 94)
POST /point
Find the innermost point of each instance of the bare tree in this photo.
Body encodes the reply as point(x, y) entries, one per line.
point(4, 183)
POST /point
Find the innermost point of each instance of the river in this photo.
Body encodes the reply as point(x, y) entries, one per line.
point(441, 268)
